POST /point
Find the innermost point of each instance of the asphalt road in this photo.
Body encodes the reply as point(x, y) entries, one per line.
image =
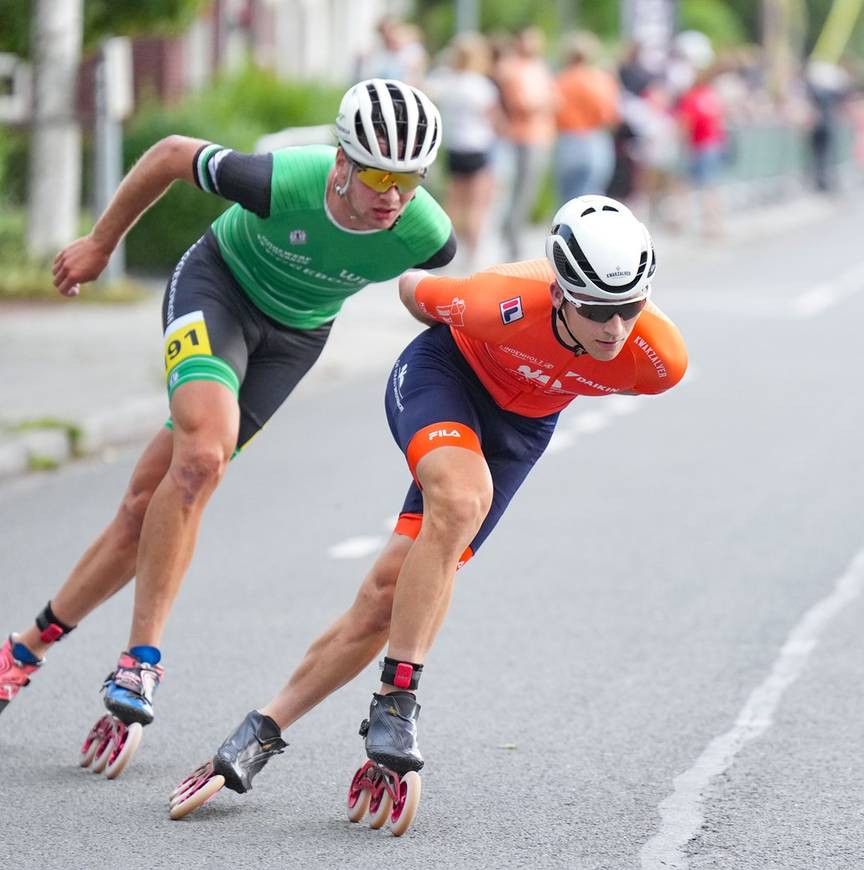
point(655, 662)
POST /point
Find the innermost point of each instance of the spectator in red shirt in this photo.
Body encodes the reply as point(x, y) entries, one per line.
point(703, 123)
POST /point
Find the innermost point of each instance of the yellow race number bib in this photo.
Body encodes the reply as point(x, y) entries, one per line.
point(185, 337)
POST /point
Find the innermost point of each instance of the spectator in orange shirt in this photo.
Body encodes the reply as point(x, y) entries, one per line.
point(587, 113)
point(528, 98)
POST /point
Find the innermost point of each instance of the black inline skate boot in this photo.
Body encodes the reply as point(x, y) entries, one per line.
point(236, 762)
point(391, 732)
point(247, 750)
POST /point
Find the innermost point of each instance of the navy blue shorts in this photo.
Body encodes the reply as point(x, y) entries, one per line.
point(432, 382)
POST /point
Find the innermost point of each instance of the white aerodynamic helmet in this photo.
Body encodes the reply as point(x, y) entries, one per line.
point(600, 252)
point(387, 112)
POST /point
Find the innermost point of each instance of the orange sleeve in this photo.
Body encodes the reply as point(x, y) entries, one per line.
point(491, 305)
point(659, 350)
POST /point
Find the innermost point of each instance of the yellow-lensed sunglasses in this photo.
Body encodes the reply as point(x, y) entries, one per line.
point(381, 180)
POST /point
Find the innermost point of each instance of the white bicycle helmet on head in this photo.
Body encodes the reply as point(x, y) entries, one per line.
point(600, 252)
point(386, 124)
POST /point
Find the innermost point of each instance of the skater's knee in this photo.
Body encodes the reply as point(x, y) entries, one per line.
point(453, 512)
point(197, 469)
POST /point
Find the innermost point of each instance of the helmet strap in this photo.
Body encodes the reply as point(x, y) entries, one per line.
point(579, 349)
point(342, 190)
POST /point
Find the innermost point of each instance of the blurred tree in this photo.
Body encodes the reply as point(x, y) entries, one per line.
point(437, 18)
point(715, 18)
point(102, 18)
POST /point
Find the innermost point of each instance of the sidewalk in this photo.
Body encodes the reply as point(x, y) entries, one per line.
point(83, 378)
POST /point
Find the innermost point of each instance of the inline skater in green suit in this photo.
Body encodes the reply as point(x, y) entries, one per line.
point(246, 313)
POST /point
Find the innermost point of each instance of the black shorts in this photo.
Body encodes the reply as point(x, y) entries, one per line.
point(466, 162)
point(214, 332)
point(431, 383)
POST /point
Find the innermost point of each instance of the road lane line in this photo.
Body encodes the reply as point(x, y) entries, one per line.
point(809, 303)
point(823, 297)
point(682, 813)
point(356, 548)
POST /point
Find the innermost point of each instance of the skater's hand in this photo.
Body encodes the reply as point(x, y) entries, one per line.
point(79, 262)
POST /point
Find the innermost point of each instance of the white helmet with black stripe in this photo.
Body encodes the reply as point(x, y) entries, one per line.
point(387, 124)
point(600, 252)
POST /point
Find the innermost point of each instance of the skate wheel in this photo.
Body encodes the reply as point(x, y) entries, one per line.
point(188, 801)
point(94, 741)
point(409, 799)
point(380, 807)
point(122, 755)
point(111, 735)
point(358, 795)
point(202, 772)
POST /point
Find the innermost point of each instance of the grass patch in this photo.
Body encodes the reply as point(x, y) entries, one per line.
point(41, 463)
point(24, 279)
point(73, 431)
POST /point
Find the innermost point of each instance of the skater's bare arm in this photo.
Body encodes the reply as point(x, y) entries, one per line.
point(407, 285)
point(167, 161)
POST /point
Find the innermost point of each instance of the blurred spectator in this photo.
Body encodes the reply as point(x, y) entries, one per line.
point(633, 74)
point(703, 123)
point(471, 111)
point(691, 52)
point(654, 150)
point(401, 54)
point(587, 112)
point(528, 98)
point(827, 89)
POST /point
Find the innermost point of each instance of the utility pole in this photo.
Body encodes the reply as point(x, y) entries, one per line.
point(467, 16)
point(112, 103)
point(55, 146)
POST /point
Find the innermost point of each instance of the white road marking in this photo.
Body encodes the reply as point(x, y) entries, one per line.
point(830, 293)
point(590, 421)
point(356, 548)
point(682, 813)
point(810, 303)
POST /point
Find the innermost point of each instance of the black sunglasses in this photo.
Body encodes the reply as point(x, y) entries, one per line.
point(604, 313)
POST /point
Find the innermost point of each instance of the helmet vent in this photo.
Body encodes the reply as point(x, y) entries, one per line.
point(610, 208)
point(422, 124)
point(562, 264)
point(588, 211)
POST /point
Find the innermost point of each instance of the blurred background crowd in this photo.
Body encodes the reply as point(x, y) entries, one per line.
point(686, 109)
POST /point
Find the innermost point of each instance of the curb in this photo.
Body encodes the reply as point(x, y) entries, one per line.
point(48, 448)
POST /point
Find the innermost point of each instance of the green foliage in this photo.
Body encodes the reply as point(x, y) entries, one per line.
point(234, 111)
point(22, 278)
point(133, 18)
point(102, 18)
point(14, 166)
point(437, 18)
point(715, 19)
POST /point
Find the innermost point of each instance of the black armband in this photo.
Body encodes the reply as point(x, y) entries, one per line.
point(442, 256)
point(243, 178)
point(403, 675)
point(51, 628)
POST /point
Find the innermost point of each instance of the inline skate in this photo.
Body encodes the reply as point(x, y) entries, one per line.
point(14, 670)
point(237, 761)
point(128, 696)
point(388, 785)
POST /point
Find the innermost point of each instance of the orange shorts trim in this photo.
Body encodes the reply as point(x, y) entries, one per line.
point(409, 525)
point(444, 434)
